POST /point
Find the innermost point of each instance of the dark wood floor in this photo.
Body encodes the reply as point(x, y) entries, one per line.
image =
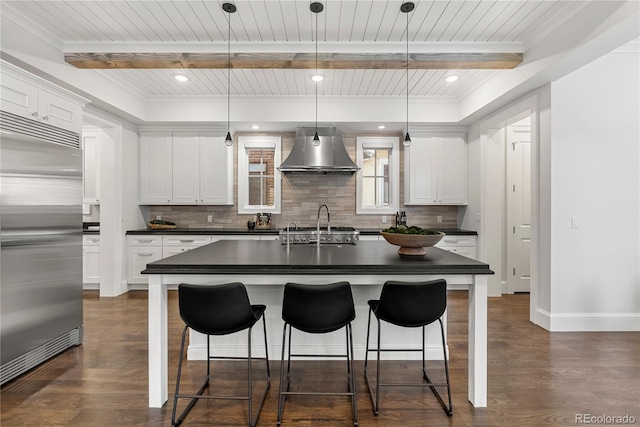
point(536, 378)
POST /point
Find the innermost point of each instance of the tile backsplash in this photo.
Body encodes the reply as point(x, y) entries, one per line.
point(302, 194)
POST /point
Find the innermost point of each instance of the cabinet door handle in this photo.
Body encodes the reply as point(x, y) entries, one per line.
point(45, 117)
point(95, 240)
point(145, 254)
point(187, 241)
point(34, 114)
point(145, 241)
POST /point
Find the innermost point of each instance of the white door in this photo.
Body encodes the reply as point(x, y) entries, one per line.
point(518, 208)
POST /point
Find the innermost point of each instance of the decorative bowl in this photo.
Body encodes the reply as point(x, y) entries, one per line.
point(412, 244)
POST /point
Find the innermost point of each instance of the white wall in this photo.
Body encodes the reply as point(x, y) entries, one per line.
point(595, 164)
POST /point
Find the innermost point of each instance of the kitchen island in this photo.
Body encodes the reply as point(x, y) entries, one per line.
point(265, 266)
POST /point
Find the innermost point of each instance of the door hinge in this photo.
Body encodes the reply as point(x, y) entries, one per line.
point(514, 271)
point(514, 229)
point(513, 145)
point(514, 188)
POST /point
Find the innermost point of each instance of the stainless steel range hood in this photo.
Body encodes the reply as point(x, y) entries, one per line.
point(329, 157)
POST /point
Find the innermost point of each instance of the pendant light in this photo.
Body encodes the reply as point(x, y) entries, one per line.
point(316, 7)
point(406, 8)
point(229, 8)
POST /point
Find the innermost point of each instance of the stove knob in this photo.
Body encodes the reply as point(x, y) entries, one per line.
point(338, 239)
point(296, 238)
point(347, 239)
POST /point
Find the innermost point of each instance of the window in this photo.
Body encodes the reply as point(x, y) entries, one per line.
point(258, 176)
point(377, 184)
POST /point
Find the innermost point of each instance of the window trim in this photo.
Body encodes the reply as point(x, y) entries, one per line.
point(244, 142)
point(379, 142)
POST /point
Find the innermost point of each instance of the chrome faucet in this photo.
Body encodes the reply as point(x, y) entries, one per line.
point(295, 227)
point(318, 222)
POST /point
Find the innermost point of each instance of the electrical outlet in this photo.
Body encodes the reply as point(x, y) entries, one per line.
point(158, 217)
point(209, 218)
point(439, 218)
point(384, 218)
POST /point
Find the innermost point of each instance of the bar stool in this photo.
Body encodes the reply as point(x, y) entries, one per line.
point(317, 309)
point(219, 310)
point(410, 305)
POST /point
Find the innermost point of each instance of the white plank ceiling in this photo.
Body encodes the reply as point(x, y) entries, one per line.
point(358, 26)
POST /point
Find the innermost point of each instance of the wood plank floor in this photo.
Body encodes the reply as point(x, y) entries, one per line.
point(536, 378)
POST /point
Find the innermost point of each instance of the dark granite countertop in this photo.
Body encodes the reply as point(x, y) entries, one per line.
point(244, 231)
point(213, 231)
point(448, 231)
point(92, 224)
point(271, 257)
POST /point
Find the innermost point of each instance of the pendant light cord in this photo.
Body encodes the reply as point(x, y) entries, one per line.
point(407, 31)
point(316, 83)
point(229, 74)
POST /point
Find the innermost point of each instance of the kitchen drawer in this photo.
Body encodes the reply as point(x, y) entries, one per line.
point(144, 240)
point(139, 257)
point(91, 240)
point(457, 241)
point(186, 240)
point(218, 237)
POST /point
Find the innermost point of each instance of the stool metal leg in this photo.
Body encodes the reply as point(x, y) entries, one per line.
point(253, 419)
point(281, 396)
point(204, 386)
point(375, 395)
point(448, 409)
point(352, 381)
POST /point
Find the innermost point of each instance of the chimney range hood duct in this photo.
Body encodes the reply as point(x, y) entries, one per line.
point(329, 157)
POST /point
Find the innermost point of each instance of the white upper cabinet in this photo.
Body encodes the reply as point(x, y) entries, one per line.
point(216, 170)
point(156, 178)
point(436, 170)
point(185, 168)
point(26, 95)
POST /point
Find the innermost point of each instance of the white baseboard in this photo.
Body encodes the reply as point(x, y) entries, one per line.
point(588, 322)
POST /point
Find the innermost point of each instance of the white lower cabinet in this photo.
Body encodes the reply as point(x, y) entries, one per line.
point(461, 245)
point(368, 238)
point(147, 248)
point(91, 259)
point(173, 245)
point(142, 250)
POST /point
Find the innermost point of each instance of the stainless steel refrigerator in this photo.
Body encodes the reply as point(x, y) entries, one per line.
point(41, 238)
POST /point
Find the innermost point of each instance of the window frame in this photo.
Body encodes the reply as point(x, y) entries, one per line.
point(379, 142)
point(245, 142)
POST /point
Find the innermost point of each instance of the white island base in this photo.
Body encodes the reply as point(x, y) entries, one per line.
point(268, 290)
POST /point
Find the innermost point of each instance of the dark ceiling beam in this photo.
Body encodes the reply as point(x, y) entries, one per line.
point(326, 61)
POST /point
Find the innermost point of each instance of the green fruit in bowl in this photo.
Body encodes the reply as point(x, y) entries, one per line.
point(403, 229)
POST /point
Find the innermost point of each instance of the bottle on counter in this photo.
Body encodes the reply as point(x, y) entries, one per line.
point(403, 218)
point(397, 219)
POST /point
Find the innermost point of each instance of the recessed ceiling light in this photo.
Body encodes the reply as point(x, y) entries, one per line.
point(381, 127)
point(181, 77)
point(317, 78)
point(255, 127)
point(451, 79)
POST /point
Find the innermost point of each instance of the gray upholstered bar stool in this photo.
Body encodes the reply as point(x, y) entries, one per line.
point(219, 310)
point(410, 305)
point(317, 309)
